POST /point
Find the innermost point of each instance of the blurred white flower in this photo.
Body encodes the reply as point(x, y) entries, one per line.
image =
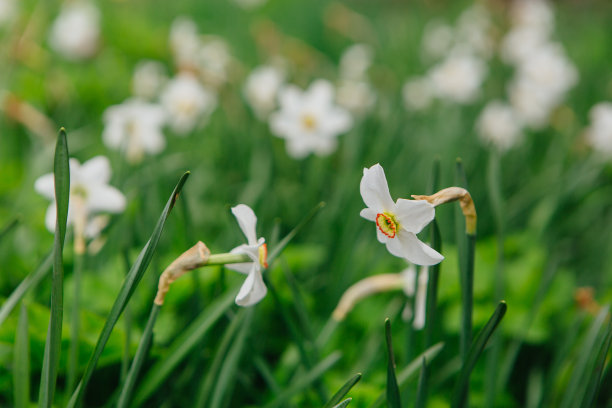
point(418, 94)
point(184, 41)
point(498, 125)
point(187, 103)
point(253, 289)
point(531, 104)
point(356, 96)
point(261, 89)
point(135, 128)
point(438, 39)
point(522, 42)
point(149, 77)
point(397, 223)
point(473, 31)
point(213, 60)
point(8, 11)
point(309, 120)
point(533, 13)
point(355, 61)
point(89, 194)
point(75, 33)
point(420, 299)
point(458, 78)
point(599, 133)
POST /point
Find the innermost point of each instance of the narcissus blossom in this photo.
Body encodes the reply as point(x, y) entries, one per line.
point(458, 78)
point(8, 10)
point(261, 89)
point(148, 78)
point(309, 120)
point(599, 133)
point(498, 125)
point(76, 31)
point(397, 223)
point(253, 289)
point(90, 194)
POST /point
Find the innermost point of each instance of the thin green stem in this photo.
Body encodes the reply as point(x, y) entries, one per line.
point(228, 258)
point(73, 354)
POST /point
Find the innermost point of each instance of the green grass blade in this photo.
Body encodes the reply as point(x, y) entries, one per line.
point(341, 393)
point(434, 271)
point(213, 373)
point(141, 354)
point(182, 346)
point(344, 403)
point(8, 227)
point(461, 388)
point(73, 351)
point(410, 370)
point(595, 380)
point(421, 398)
point(305, 380)
point(29, 282)
point(21, 361)
point(393, 393)
point(53, 344)
point(125, 293)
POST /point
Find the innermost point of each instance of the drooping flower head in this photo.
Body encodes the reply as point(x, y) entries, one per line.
point(90, 194)
point(397, 223)
point(309, 120)
point(253, 289)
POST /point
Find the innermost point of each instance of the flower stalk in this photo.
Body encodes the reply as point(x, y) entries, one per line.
point(451, 194)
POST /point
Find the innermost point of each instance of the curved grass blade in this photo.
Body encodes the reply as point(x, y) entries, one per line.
point(343, 391)
point(344, 403)
point(61, 171)
point(21, 361)
point(8, 227)
point(393, 393)
point(304, 381)
point(125, 293)
point(411, 369)
point(139, 358)
point(421, 398)
point(595, 380)
point(461, 388)
point(182, 346)
point(30, 281)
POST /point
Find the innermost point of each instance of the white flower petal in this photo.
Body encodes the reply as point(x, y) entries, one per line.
point(104, 198)
point(50, 217)
point(45, 185)
point(369, 214)
point(374, 189)
point(290, 97)
point(321, 92)
point(414, 215)
point(96, 170)
point(382, 238)
point(247, 220)
point(407, 245)
point(253, 289)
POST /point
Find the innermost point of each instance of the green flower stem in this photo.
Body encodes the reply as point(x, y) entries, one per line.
point(227, 258)
point(434, 271)
point(73, 354)
point(139, 358)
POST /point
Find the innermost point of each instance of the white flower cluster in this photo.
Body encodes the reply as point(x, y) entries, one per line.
point(354, 90)
point(183, 103)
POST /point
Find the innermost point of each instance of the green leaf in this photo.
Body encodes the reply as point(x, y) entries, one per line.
point(61, 170)
point(125, 293)
point(421, 399)
point(182, 346)
point(8, 227)
point(595, 380)
point(343, 391)
point(21, 362)
point(393, 393)
point(29, 282)
point(344, 403)
point(305, 380)
point(461, 388)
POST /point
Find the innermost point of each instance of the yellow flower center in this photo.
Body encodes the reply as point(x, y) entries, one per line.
point(263, 255)
point(387, 224)
point(309, 121)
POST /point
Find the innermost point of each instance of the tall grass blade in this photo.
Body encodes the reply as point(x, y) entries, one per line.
point(305, 380)
point(344, 403)
point(393, 393)
point(8, 227)
point(421, 398)
point(53, 345)
point(21, 361)
point(434, 271)
point(29, 282)
point(182, 346)
point(595, 380)
point(125, 293)
point(461, 388)
point(341, 393)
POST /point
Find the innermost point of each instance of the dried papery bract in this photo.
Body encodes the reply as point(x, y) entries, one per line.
point(451, 194)
point(193, 258)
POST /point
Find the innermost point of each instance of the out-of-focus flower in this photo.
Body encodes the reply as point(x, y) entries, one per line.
point(356, 96)
point(75, 33)
point(253, 289)
point(187, 103)
point(8, 10)
point(599, 133)
point(309, 120)
point(531, 104)
point(418, 94)
point(184, 41)
point(213, 60)
point(90, 194)
point(532, 13)
point(261, 89)
point(135, 128)
point(498, 125)
point(355, 61)
point(438, 39)
point(249, 4)
point(458, 78)
point(521, 42)
point(473, 31)
point(397, 223)
point(420, 299)
point(149, 77)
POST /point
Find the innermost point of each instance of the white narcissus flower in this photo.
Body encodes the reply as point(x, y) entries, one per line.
point(253, 289)
point(599, 133)
point(499, 126)
point(261, 89)
point(356, 96)
point(90, 194)
point(76, 31)
point(148, 78)
point(184, 41)
point(355, 62)
point(438, 39)
point(417, 94)
point(458, 78)
point(397, 223)
point(134, 127)
point(309, 120)
point(187, 102)
point(8, 10)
